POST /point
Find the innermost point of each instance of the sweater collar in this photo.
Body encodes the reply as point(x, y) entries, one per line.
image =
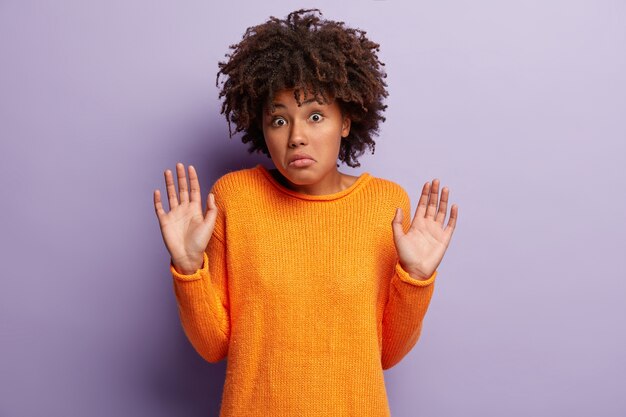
point(360, 181)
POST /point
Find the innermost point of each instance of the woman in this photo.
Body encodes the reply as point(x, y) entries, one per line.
point(309, 280)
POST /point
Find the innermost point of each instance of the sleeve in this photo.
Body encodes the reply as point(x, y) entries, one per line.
point(406, 305)
point(202, 297)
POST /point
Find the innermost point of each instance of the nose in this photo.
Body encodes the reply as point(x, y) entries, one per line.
point(297, 135)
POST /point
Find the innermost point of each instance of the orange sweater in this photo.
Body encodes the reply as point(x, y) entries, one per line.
point(305, 296)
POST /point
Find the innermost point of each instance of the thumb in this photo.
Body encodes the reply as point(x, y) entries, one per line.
point(211, 209)
point(396, 223)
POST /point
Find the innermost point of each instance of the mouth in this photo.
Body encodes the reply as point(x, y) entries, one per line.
point(301, 160)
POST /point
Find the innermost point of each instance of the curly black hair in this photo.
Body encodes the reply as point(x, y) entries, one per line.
point(304, 52)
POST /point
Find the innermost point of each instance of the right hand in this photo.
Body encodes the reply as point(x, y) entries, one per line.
point(185, 230)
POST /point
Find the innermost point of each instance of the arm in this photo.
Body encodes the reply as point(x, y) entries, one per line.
point(420, 246)
point(195, 241)
point(202, 298)
point(404, 312)
point(405, 308)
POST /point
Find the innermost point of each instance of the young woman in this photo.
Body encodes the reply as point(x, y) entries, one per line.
point(310, 281)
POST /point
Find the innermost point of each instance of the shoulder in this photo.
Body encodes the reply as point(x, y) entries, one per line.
point(389, 188)
point(235, 181)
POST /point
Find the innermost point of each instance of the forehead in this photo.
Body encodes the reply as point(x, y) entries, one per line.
point(285, 98)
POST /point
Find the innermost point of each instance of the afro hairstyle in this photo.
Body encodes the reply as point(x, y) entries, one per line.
point(308, 54)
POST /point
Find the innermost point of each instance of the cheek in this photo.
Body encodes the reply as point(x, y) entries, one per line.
point(273, 144)
point(267, 137)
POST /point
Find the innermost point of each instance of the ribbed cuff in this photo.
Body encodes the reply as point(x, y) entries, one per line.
point(196, 275)
point(404, 276)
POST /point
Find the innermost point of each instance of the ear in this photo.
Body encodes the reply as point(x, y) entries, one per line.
point(345, 128)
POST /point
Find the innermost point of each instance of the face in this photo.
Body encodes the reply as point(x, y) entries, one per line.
point(314, 130)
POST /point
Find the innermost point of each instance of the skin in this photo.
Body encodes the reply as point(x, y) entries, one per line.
point(313, 128)
point(316, 130)
point(421, 249)
point(185, 230)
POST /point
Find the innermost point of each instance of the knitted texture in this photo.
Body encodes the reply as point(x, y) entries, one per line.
point(304, 295)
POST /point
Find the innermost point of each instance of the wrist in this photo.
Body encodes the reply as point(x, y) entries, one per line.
point(187, 266)
point(416, 273)
point(418, 276)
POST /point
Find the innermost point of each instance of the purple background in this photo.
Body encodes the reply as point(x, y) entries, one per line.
point(518, 106)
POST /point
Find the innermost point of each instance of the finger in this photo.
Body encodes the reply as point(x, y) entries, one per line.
point(454, 215)
point(158, 206)
point(194, 184)
point(211, 207)
point(420, 210)
point(443, 206)
point(432, 200)
point(182, 183)
point(171, 189)
point(396, 223)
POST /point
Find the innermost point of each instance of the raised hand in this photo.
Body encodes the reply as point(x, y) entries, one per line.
point(185, 230)
point(421, 249)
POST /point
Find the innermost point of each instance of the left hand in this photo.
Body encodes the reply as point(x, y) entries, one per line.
point(422, 248)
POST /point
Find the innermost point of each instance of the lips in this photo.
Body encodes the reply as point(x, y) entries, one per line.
point(300, 156)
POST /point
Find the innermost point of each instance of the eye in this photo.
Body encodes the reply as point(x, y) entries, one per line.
point(278, 122)
point(317, 117)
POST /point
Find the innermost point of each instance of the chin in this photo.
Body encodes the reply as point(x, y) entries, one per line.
point(300, 176)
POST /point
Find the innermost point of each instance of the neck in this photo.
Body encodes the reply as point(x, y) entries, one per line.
point(333, 182)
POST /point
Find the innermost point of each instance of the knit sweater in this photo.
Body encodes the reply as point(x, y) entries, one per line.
point(304, 295)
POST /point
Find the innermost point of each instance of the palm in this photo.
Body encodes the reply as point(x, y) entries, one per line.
point(184, 227)
point(421, 249)
point(186, 231)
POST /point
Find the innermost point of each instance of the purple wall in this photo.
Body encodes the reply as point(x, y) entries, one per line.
point(518, 106)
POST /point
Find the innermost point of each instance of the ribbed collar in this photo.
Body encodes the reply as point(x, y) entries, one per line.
point(359, 183)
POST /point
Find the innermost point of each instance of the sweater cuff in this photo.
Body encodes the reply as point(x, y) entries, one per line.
point(404, 276)
point(196, 275)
